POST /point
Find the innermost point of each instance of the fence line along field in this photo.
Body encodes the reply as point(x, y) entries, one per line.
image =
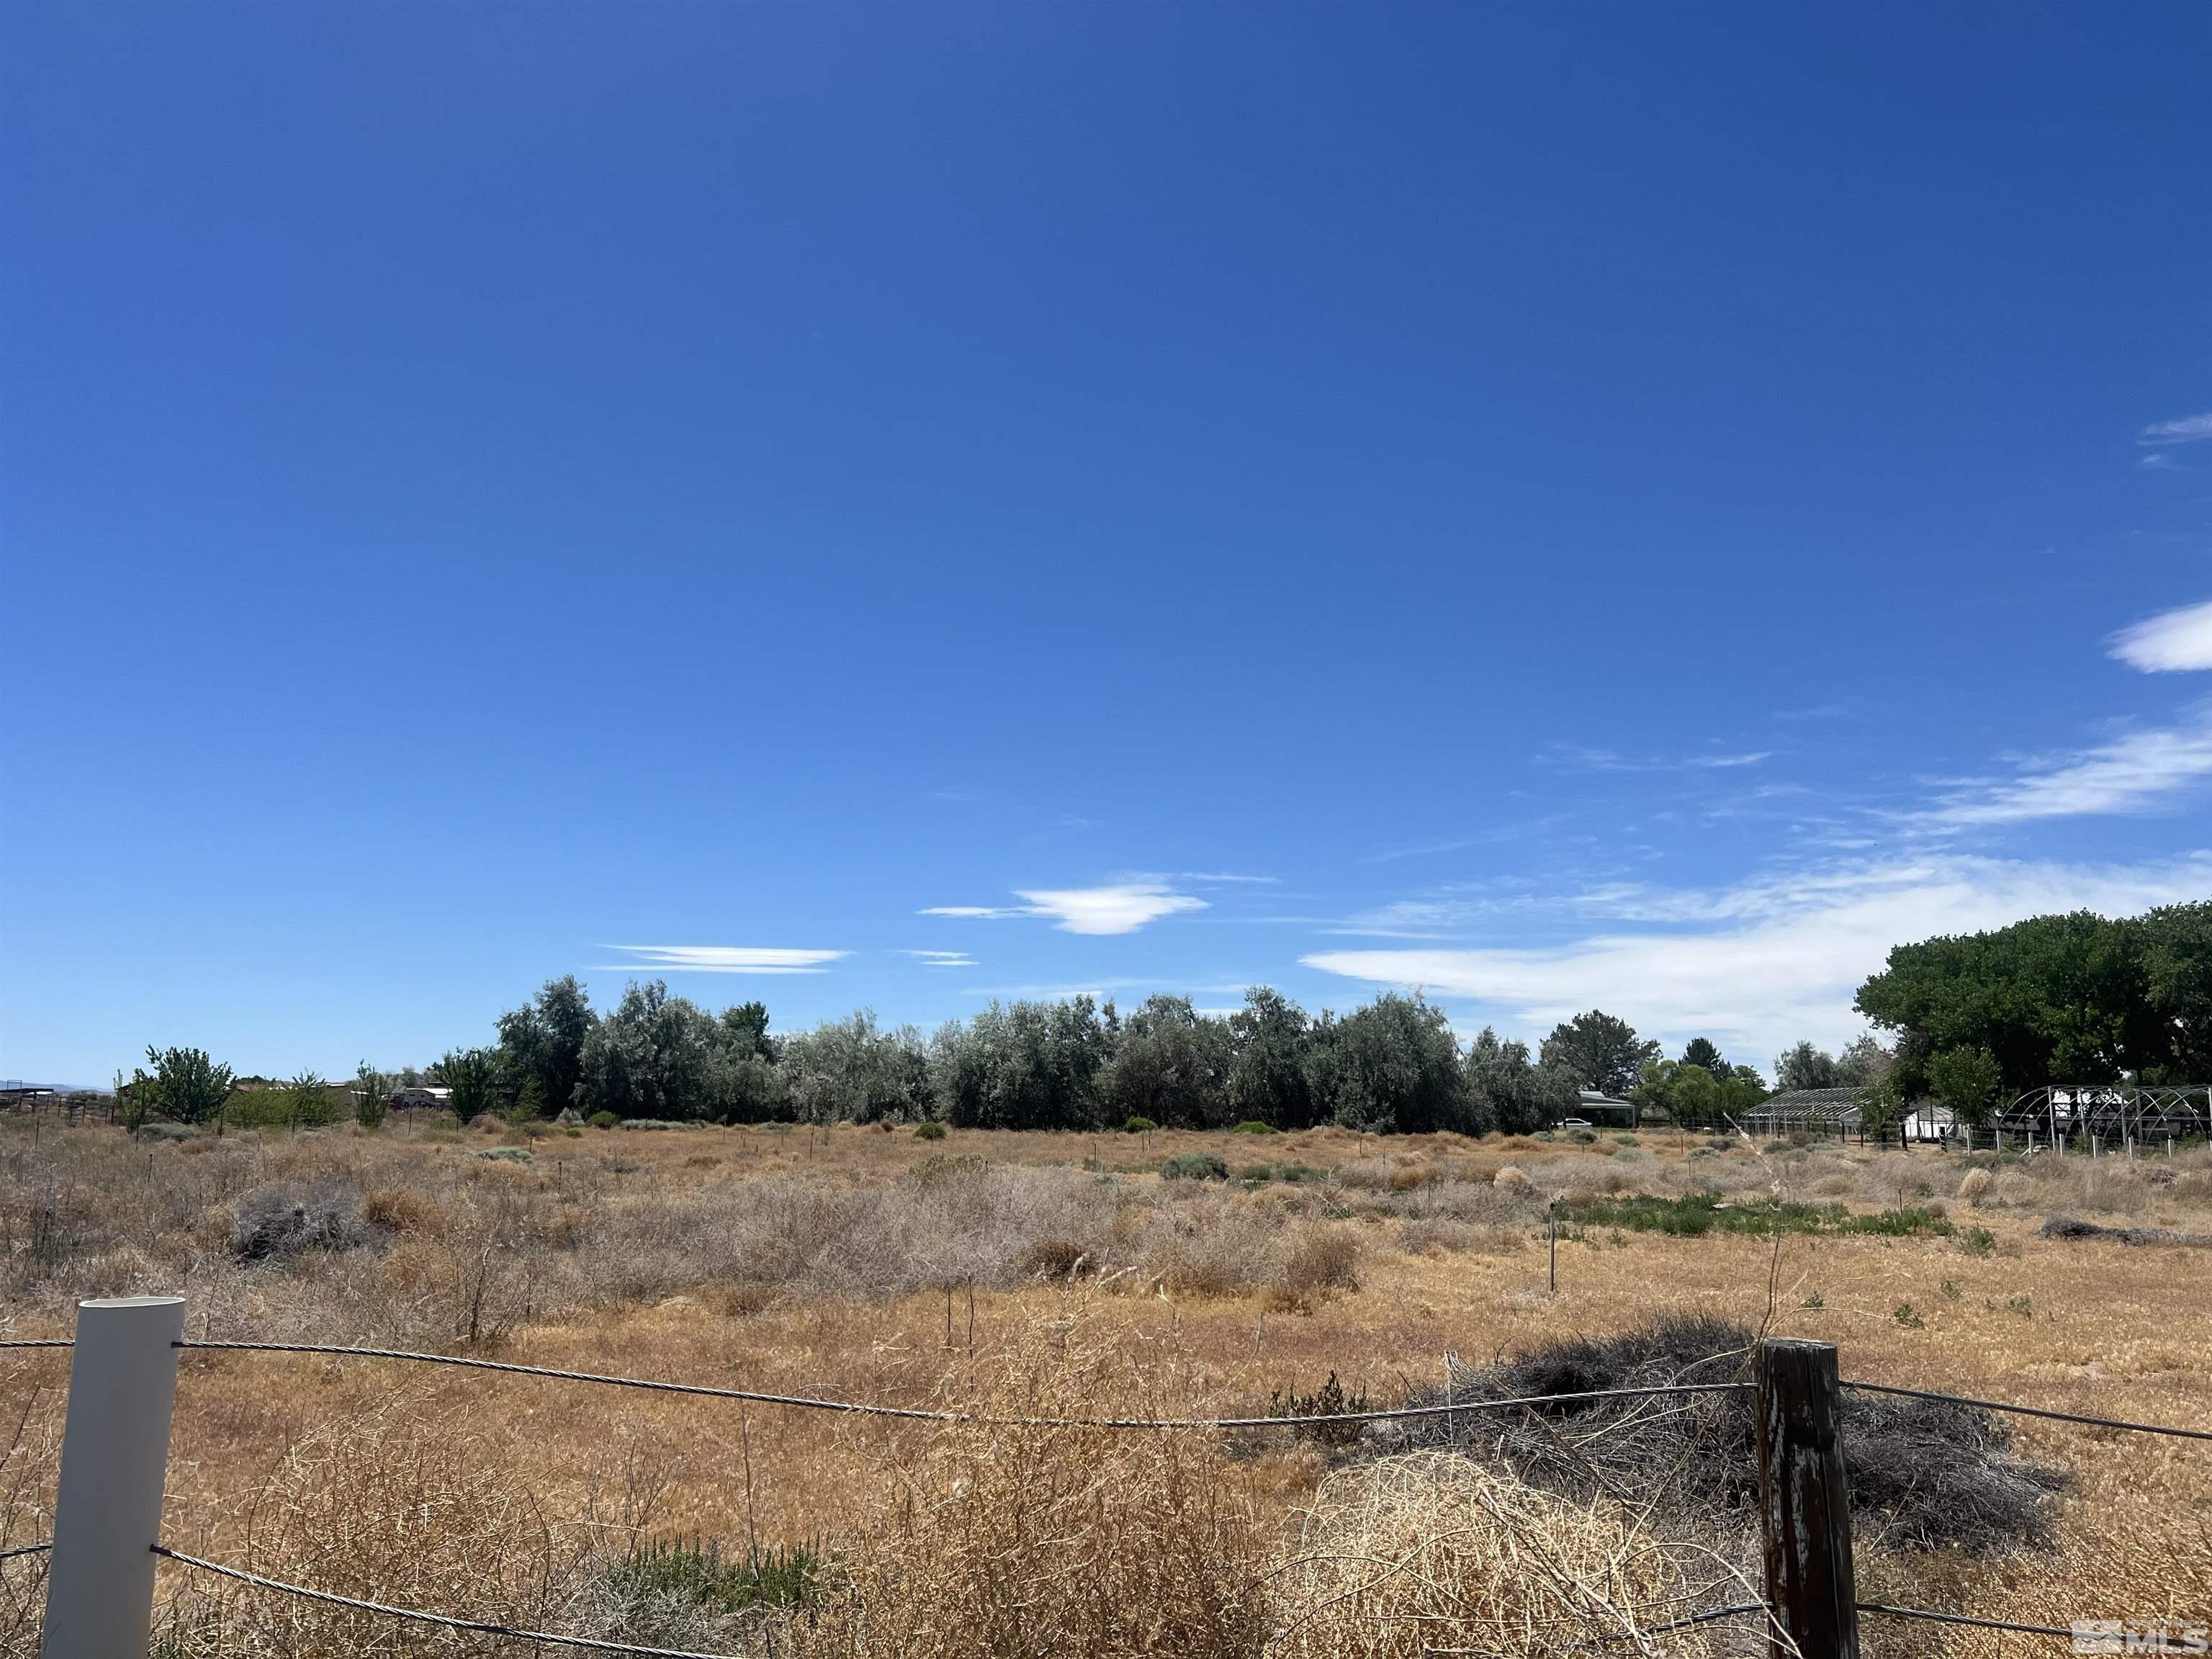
point(1166, 1275)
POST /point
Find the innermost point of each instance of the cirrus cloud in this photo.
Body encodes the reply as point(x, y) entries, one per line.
point(1758, 965)
point(723, 959)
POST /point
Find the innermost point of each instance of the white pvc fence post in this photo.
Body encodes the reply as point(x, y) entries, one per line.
point(115, 1456)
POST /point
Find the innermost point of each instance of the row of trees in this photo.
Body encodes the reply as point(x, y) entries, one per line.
point(2075, 998)
point(1390, 1066)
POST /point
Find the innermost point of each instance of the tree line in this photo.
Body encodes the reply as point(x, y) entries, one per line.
point(1977, 1020)
point(1391, 1067)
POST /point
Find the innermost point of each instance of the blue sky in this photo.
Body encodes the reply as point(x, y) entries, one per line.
point(892, 506)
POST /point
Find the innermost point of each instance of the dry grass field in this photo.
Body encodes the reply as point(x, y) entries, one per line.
point(1059, 1274)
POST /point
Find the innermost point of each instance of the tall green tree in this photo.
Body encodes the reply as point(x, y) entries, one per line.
point(847, 1069)
point(1398, 1070)
point(1267, 1078)
point(544, 1039)
point(1702, 1051)
point(655, 1056)
point(2176, 943)
point(1507, 1090)
point(1170, 1064)
point(2061, 998)
point(1025, 1066)
point(1600, 1051)
point(1802, 1065)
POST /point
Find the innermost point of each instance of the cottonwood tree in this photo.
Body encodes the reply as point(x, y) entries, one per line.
point(2061, 998)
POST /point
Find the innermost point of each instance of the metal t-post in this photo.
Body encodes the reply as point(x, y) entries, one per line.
point(115, 1457)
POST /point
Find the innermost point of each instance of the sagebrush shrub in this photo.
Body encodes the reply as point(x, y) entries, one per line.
point(1195, 1166)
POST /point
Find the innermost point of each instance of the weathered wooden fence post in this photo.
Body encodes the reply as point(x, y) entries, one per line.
point(115, 1458)
point(1805, 1507)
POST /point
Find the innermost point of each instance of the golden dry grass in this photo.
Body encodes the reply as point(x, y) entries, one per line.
point(670, 1255)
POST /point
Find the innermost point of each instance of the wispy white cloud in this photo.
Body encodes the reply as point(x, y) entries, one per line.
point(1581, 757)
point(1228, 878)
point(723, 959)
point(1760, 964)
point(2131, 773)
point(1751, 759)
point(1102, 989)
point(2177, 639)
point(1423, 850)
point(1115, 907)
point(941, 958)
point(2189, 430)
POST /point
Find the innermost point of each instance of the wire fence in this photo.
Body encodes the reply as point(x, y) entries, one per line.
point(1453, 1407)
point(931, 1414)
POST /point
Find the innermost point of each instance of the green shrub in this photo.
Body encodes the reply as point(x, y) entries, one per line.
point(1582, 1137)
point(169, 1132)
point(1697, 1214)
point(1252, 1126)
point(1909, 1316)
point(1978, 1240)
point(1626, 1140)
point(1627, 1154)
point(697, 1574)
point(1139, 1126)
point(1196, 1166)
point(930, 1130)
point(507, 1154)
point(368, 1111)
point(603, 1120)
